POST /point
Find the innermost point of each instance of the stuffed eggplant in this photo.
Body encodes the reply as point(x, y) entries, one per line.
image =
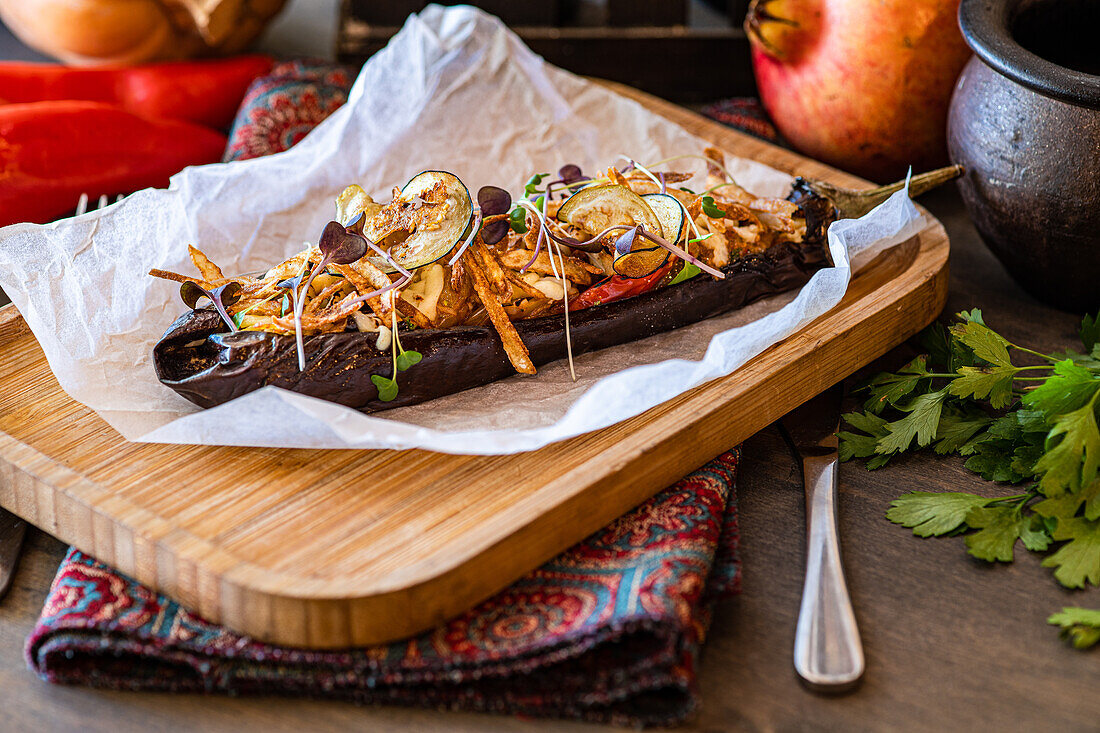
point(432, 294)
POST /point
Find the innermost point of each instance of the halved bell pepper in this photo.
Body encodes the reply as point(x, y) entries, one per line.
point(51, 152)
point(206, 92)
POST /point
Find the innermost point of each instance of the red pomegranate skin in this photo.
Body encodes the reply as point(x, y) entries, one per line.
point(863, 85)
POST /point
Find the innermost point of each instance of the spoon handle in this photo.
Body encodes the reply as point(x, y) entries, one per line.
point(828, 654)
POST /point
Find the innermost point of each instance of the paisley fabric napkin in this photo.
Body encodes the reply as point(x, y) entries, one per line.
point(609, 631)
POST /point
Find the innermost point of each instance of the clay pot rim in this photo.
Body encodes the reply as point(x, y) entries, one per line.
point(987, 27)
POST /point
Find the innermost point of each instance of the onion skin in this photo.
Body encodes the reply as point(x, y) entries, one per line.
point(340, 365)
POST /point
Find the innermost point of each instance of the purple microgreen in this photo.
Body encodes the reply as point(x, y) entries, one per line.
point(357, 223)
point(570, 174)
point(711, 210)
point(682, 254)
point(626, 240)
point(532, 186)
point(221, 296)
point(341, 244)
point(494, 231)
point(493, 200)
point(664, 185)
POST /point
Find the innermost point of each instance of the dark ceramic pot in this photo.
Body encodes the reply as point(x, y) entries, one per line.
point(1027, 129)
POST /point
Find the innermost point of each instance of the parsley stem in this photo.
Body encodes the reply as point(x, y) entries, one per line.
point(1047, 357)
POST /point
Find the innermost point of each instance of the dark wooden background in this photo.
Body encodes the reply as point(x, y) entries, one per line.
point(951, 643)
point(687, 51)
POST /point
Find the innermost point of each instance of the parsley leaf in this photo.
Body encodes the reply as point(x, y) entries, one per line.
point(1090, 332)
point(998, 529)
point(1061, 464)
point(983, 341)
point(957, 427)
point(931, 514)
point(1070, 387)
point(1081, 626)
point(920, 424)
point(981, 383)
point(1078, 561)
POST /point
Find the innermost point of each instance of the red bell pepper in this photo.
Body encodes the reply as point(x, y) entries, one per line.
point(51, 152)
point(206, 92)
point(618, 287)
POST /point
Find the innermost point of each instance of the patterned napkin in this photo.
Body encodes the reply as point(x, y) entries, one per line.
point(608, 631)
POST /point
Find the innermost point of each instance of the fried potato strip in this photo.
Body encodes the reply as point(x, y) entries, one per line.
point(513, 344)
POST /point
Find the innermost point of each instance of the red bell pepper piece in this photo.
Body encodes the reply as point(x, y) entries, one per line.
point(51, 152)
point(206, 92)
point(618, 287)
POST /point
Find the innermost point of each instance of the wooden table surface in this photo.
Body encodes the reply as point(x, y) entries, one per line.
point(951, 643)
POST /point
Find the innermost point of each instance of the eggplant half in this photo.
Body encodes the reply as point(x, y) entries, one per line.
point(204, 363)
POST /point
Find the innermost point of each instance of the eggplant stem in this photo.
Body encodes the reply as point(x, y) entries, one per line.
point(854, 203)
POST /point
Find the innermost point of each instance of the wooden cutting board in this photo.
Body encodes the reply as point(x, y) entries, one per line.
point(336, 548)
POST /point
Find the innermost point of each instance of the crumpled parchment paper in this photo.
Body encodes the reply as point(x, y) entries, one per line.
point(454, 90)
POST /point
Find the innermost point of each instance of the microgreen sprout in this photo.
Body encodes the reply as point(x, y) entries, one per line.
point(532, 186)
point(687, 272)
point(571, 176)
point(239, 317)
point(711, 209)
point(221, 296)
point(494, 201)
point(340, 244)
point(517, 219)
point(402, 361)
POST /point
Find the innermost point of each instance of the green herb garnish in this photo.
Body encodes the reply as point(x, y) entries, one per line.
point(533, 183)
point(1080, 626)
point(711, 210)
point(687, 272)
point(402, 361)
point(517, 219)
point(1033, 424)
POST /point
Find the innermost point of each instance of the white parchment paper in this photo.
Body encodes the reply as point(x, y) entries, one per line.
point(453, 90)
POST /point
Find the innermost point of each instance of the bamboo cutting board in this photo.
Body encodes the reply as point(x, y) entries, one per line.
point(338, 548)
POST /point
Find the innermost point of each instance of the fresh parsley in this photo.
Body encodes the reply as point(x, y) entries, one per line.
point(1080, 626)
point(1034, 424)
